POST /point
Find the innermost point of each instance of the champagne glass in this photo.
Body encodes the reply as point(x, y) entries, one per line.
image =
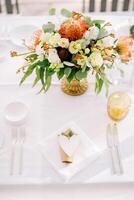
point(117, 107)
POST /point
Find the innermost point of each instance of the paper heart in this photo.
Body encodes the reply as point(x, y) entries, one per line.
point(70, 145)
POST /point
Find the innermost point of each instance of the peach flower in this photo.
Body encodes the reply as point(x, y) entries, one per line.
point(35, 40)
point(125, 48)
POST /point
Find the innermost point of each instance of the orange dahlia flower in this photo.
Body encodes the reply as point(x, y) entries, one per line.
point(125, 48)
point(74, 28)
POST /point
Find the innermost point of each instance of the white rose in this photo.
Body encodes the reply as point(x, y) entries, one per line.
point(91, 34)
point(55, 39)
point(108, 41)
point(53, 56)
point(64, 43)
point(96, 59)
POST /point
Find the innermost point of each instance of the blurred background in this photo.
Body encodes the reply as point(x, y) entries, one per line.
point(41, 7)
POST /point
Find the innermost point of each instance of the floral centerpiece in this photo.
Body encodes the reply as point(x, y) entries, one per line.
point(80, 46)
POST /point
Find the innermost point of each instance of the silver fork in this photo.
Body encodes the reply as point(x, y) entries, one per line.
point(21, 143)
point(14, 133)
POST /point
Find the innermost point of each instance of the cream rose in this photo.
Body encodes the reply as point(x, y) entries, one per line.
point(96, 59)
point(75, 47)
point(64, 43)
point(82, 60)
point(54, 39)
point(45, 37)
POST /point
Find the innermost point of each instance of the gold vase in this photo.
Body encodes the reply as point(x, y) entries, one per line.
point(75, 87)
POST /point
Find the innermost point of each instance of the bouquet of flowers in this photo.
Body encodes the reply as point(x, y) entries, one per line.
point(80, 46)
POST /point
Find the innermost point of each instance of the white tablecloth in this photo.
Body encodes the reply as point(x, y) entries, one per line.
point(54, 109)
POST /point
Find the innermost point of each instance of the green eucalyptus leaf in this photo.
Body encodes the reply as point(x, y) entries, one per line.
point(84, 68)
point(88, 20)
point(44, 64)
point(48, 83)
point(80, 75)
point(42, 72)
point(60, 73)
point(98, 84)
point(103, 33)
point(66, 13)
point(41, 90)
point(31, 56)
point(52, 11)
point(49, 27)
point(67, 71)
point(37, 76)
point(29, 71)
point(98, 21)
point(72, 75)
point(106, 83)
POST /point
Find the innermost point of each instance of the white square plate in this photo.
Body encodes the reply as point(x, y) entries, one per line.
point(87, 152)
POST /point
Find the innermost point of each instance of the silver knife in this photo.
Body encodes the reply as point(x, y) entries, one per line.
point(117, 148)
point(110, 145)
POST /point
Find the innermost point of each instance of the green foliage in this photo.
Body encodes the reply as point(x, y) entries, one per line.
point(103, 33)
point(72, 75)
point(80, 75)
point(66, 13)
point(29, 71)
point(42, 71)
point(37, 76)
point(49, 27)
point(48, 83)
point(98, 84)
point(60, 73)
point(52, 11)
point(88, 20)
point(67, 71)
point(98, 23)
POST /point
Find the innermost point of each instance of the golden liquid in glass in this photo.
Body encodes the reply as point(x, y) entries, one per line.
point(118, 105)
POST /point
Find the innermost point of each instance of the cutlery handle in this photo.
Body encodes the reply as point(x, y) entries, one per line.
point(113, 168)
point(12, 158)
point(110, 148)
point(117, 149)
point(22, 136)
point(121, 171)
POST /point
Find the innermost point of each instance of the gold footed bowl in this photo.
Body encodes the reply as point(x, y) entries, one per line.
point(75, 87)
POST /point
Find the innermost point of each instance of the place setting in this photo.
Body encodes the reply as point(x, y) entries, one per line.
point(81, 53)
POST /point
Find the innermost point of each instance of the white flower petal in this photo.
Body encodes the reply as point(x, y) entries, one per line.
point(92, 33)
point(53, 56)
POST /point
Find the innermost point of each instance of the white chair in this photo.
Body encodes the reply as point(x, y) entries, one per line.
point(41, 7)
point(9, 6)
point(107, 5)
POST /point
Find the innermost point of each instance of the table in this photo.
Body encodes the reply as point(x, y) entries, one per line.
point(97, 134)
